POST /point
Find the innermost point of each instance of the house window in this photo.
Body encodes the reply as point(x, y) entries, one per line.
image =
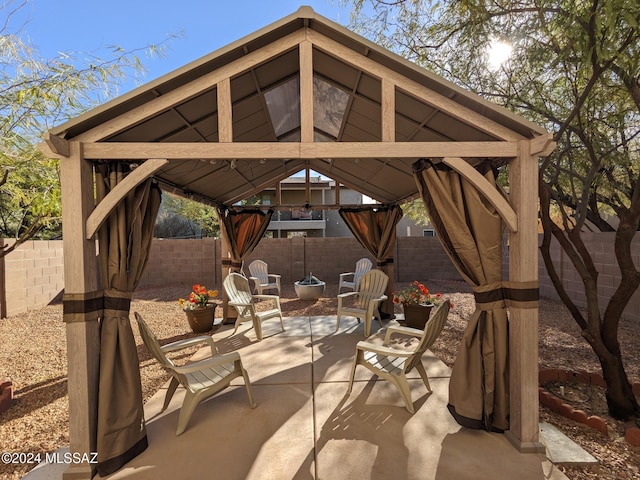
point(428, 232)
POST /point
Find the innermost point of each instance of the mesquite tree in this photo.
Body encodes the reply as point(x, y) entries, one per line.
point(37, 93)
point(574, 68)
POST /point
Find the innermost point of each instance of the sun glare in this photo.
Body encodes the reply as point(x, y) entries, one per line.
point(498, 52)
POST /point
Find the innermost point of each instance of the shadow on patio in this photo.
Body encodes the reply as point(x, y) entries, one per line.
point(306, 427)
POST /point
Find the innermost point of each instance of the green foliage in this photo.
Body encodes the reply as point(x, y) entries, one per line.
point(35, 94)
point(574, 69)
point(180, 217)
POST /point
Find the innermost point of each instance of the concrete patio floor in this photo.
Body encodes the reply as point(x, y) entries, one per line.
point(305, 427)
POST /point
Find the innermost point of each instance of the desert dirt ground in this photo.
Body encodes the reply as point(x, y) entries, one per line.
point(33, 355)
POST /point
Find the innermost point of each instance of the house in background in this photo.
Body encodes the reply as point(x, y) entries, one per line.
point(314, 221)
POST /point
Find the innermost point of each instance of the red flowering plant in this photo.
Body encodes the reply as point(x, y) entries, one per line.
point(198, 298)
point(416, 294)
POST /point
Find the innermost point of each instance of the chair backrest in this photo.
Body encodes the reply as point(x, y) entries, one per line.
point(151, 342)
point(432, 330)
point(362, 266)
point(237, 288)
point(372, 285)
point(260, 270)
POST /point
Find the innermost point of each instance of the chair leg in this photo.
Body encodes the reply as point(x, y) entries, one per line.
point(405, 392)
point(247, 385)
point(338, 322)
point(281, 323)
point(188, 406)
point(353, 373)
point(257, 326)
point(423, 375)
point(173, 385)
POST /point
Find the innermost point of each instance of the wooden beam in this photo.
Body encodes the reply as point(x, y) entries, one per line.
point(191, 89)
point(225, 111)
point(115, 196)
point(523, 322)
point(280, 150)
point(446, 105)
point(542, 146)
point(80, 279)
point(388, 111)
point(57, 145)
point(306, 92)
point(490, 193)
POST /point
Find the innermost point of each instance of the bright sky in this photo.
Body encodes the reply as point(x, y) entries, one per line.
point(206, 25)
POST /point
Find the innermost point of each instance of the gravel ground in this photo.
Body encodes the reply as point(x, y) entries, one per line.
point(33, 355)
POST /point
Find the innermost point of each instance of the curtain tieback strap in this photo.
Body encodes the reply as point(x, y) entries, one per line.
point(383, 263)
point(116, 302)
point(227, 262)
point(82, 307)
point(503, 294)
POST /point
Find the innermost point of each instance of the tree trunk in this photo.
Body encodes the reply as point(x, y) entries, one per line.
point(600, 332)
point(621, 401)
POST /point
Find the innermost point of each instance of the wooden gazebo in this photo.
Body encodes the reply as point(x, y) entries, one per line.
point(301, 94)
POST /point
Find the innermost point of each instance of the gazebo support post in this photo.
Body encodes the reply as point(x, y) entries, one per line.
point(523, 322)
point(81, 316)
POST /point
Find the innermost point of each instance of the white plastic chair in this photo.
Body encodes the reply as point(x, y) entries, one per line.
point(237, 288)
point(202, 378)
point(394, 364)
point(262, 279)
point(365, 302)
point(362, 266)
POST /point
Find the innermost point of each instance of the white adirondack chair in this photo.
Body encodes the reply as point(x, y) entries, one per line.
point(364, 303)
point(201, 379)
point(351, 280)
point(262, 279)
point(237, 288)
point(394, 364)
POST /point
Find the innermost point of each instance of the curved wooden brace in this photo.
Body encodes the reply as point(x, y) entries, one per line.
point(498, 201)
point(115, 196)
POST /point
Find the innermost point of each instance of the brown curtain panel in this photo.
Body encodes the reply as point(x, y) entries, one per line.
point(375, 229)
point(124, 242)
point(242, 230)
point(470, 230)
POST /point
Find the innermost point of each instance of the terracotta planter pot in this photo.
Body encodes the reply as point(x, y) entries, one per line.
point(201, 318)
point(416, 316)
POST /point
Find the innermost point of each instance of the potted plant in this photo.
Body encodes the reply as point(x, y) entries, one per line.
point(417, 302)
point(199, 309)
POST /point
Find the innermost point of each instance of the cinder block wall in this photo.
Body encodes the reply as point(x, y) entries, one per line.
point(600, 245)
point(183, 261)
point(34, 275)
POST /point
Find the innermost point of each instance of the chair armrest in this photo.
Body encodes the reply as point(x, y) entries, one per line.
point(346, 294)
point(187, 342)
point(274, 275)
point(343, 275)
point(382, 350)
point(240, 304)
point(208, 362)
point(265, 296)
point(275, 298)
point(412, 332)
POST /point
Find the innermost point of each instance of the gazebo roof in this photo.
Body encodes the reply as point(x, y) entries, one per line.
point(264, 74)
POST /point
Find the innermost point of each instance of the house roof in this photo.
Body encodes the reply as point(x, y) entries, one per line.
point(261, 74)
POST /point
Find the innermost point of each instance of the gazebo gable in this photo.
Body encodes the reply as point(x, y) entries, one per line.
point(301, 93)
